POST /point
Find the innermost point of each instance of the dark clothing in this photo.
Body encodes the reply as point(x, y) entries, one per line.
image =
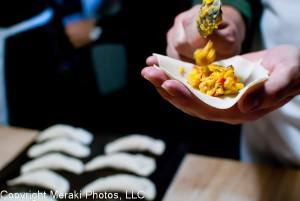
point(142, 30)
point(42, 75)
point(15, 11)
point(49, 82)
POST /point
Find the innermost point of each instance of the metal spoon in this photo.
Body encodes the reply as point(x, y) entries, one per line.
point(209, 17)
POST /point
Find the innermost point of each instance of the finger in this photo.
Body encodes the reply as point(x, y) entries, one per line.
point(255, 56)
point(177, 40)
point(176, 88)
point(259, 99)
point(156, 76)
point(180, 101)
point(152, 60)
point(251, 98)
point(171, 52)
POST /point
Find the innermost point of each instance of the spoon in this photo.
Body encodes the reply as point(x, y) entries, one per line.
point(209, 17)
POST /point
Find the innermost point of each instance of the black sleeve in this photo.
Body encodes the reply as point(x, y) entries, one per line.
point(114, 26)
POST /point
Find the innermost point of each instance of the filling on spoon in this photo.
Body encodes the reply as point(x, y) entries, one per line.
point(209, 17)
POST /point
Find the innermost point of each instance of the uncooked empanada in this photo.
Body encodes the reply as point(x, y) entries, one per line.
point(62, 130)
point(122, 183)
point(42, 178)
point(65, 145)
point(55, 161)
point(135, 163)
point(136, 142)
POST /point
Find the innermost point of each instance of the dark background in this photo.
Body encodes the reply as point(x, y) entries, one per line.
point(69, 94)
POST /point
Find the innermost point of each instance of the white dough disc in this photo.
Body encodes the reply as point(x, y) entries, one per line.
point(251, 73)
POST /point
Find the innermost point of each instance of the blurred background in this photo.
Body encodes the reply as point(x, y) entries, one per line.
point(81, 66)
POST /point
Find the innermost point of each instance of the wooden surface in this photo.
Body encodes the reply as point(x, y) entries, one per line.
point(12, 142)
point(201, 178)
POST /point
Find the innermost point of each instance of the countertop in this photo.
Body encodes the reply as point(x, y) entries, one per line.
point(13, 141)
point(198, 177)
point(215, 179)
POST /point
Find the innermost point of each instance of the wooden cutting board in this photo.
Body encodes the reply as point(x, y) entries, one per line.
point(213, 179)
point(13, 141)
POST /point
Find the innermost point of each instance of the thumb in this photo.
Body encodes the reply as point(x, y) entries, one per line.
point(252, 99)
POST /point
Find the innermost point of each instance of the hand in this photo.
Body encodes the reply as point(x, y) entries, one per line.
point(79, 32)
point(183, 38)
point(283, 63)
point(177, 94)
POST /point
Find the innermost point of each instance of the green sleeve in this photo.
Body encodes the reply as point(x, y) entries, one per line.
point(243, 6)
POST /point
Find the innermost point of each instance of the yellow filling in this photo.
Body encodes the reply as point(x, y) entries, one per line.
point(215, 80)
point(181, 70)
point(209, 78)
point(212, 79)
point(206, 55)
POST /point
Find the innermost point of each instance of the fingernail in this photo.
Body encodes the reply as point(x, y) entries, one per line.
point(147, 78)
point(168, 90)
